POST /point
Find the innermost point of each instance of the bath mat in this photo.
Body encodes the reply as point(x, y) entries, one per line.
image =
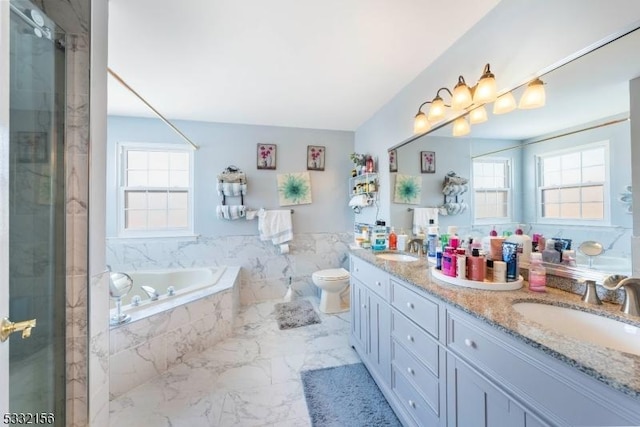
point(294, 314)
point(346, 396)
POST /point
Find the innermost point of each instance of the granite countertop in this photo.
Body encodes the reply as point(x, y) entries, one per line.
point(614, 368)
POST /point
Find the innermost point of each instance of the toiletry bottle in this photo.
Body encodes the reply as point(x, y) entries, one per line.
point(569, 258)
point(510, 257)
point(393, 240)
point(432, 241)
point(550, 254)
point(454, 241)
point(439, 258)
point(499, 271)
point(488, 272)
point(461, 263)
point(537, 273)
point(524, 244)
point(380, 236)
point(444, 241)
point(446, 261)
point(402, 240)
point(476, 266)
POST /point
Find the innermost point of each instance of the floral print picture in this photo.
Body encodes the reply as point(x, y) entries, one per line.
point(408, 189)
point(393, 161)
point(428, 161)
point(315, 157)
point(294, 188)
point(266, 156)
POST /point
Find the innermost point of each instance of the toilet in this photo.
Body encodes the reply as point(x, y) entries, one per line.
point(332, 282)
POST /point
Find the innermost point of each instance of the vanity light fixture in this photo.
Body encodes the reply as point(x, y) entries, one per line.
point(461, 126)
point(534, 96)
point(461, 97)
point(504, 104)
point(486, 89)
point(478, 115)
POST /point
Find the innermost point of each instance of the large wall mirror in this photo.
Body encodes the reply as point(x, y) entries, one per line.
point(563, 170)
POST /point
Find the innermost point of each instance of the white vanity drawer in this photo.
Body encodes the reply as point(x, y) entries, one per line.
point(412, 401)
point(374, 278)
point(421, 377)
point(415, 307)
point(417, 341)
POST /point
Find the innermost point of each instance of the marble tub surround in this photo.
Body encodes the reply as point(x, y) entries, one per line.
point(154, 341)
point(251, 378)
point(265, 273)
point(614, 368)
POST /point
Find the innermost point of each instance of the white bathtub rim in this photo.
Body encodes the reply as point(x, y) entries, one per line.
point(165, 303)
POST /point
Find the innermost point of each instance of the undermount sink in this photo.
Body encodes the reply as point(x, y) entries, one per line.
point(583, 326)
point(397, 257)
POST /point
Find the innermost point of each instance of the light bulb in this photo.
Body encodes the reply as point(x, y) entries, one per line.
point(461, 98)
point(420, 123)
point(478, 115)
point(461, 127)
point(486, 89)
point(504, 104)
point(533, 96)
point(437, 110)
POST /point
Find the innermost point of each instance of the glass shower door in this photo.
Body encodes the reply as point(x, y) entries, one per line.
point(36, 215)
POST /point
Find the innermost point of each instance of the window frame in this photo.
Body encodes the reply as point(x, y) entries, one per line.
point(507, 161)
point(606, 220)
point(121, 165)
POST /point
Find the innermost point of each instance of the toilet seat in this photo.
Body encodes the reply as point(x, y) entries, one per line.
point(332, 274)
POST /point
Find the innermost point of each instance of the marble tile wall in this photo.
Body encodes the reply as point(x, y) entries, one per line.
point(145, 348)
point(265, 272)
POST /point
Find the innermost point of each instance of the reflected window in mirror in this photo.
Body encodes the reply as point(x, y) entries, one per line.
point(492, 189)
point(573, 183)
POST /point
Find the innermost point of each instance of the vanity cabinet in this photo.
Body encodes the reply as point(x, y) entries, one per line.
point(438, 365)
point(370, 327)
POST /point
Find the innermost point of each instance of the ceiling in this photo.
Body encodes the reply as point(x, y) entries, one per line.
point(322, 65)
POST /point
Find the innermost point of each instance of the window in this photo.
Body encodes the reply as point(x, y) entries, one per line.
point(156, 190)
point(491, 189)
point(572, 183)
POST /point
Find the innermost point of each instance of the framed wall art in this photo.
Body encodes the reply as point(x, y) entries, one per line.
point(315, 157)
point(393, 161)
point(266, 156)
point(428, 161)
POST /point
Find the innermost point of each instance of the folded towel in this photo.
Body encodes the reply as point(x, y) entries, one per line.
point(421, 217)
point(275, 225)
point(230, 212)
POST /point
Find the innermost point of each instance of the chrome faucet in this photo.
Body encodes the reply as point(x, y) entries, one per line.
point(631, 286)
point(590, 295)
point(153, 294)
point(416, 246)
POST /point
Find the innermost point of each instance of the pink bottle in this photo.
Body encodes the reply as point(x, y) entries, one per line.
point(476, 266)
point(537, 274)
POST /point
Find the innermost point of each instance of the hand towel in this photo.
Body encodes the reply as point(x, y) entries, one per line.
point(421, 217)
point(275, 225)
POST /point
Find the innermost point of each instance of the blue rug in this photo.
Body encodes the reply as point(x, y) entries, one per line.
point(346, 396)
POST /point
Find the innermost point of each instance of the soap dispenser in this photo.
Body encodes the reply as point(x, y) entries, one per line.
point(550, 254)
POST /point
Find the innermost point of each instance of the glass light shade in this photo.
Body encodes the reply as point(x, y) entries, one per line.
point(486, 90)
point(504, 104)
point(478, 115)
point(461, 98)
point(437, 110)
point(420, 123)
point(461, 127)
point(534, 96)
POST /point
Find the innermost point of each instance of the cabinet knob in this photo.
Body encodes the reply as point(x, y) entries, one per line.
point(469, 343)
point(412, 403)
point(410, 305)
point(411, 371)
point(364, 305)
point(378, 283)
point(410, 338)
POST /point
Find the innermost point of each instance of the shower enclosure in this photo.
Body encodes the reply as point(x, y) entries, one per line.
point(32, 188)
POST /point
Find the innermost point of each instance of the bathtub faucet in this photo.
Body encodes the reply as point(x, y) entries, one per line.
point(153, 294)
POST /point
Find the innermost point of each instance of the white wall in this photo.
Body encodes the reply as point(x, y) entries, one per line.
point(222, 145)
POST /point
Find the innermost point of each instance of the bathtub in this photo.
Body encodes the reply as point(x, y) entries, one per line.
point(163, 333)
point(187, 283)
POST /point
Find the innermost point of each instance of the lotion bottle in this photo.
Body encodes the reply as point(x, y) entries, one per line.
point(537, 274)
point(393, 240)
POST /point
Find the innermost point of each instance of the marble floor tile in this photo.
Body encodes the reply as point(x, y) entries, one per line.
point(250, 379)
